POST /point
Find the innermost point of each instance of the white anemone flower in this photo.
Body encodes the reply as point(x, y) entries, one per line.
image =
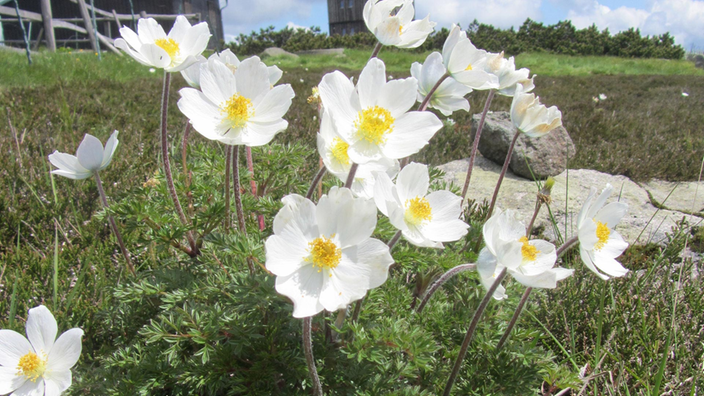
point(333, 151)
point(599, 244)
point(41, 365)
point(424, 219)
point(391, 21)
point(237, 108)
point(192, 74)
point(530, 262)
point(323, 256)
point(90, 157)
point(449, 96)
point(505, 70)
point(373, 117)
point(151, 46)
point(465, 63)
point(530, 116)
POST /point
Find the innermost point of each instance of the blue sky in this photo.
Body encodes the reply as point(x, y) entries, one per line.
point(682, 18)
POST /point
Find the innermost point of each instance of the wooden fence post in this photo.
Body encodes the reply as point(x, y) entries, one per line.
point(89, 25)
point(48, 25)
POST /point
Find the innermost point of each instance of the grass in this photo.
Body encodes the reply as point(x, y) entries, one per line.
point(53, 236)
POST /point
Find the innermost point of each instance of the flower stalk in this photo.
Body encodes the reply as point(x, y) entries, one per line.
point(475, 143)
point(470, 331)
point(503, 173)
point(167, 163)
point(441, 281)
point(228, 160)
point(236, 186)
point(424, 104)
point(376, 50)
point(310, 360)
point(316, 180)
point(113, 225)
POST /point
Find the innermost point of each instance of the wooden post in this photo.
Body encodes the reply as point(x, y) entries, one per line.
point(143, 14)
point(48, 25)
point(117, 20)
point(89, 25)
point(35, 47)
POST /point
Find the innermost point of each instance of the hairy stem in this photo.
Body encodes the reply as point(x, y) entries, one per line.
point(529, 229)
point(514, 318)
point(113, 225)
point(184, 149)
point(377, 48)
point(350, 176)
point(470, 332)
point(316, 180)
point(424, 104)
point(252, 183)
point(228, 160)
point(394, 239)
point(167, 163)
point(310, 360)
point(475, 143)
point(565, 246)
point(238, 194)
point(441, 281)
point(501, 176)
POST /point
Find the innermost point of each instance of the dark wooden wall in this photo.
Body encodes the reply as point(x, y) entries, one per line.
point(345, 16)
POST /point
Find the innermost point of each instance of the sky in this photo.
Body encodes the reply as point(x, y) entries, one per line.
point(684, 19)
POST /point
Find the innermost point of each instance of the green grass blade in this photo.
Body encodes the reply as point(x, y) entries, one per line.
point(56, 264)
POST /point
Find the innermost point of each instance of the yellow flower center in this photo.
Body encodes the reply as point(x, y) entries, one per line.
point(168, 45)
point(31, 366)
point(528, 251)
point(238, 109)
point(602, 233)
point(417, 210)
point(339, 151)
point(324, 253)
point(373, 124)
point(400, 27)
point(469, 67)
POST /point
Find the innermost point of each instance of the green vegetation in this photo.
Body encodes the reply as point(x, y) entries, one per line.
point(204, 326)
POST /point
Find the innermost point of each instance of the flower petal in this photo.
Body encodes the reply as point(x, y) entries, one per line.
point(371, 80)
point(67, 163)
point(412, 131)
point(56, 381)
point(260, 133)
point(585, 254)
point(217, 82)
point(13, 346)
point(274, 104)
point(30, 388)
point(303, 287)
point(412, 181)
point(252, 79)
point(285, 256)
point(41, 329)
point(612, 213)
point(351, 219)
point(397, 96)
point(66, 350)
point(110, 147)
point(9, 380)
point(90, 153)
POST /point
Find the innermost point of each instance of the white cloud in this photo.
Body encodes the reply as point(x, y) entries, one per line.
point(500, 13)
point(292, 25)
point(682, 18)
point(243, 16)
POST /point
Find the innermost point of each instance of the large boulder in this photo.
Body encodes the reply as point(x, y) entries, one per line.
point(275, 51)
point(544, 156)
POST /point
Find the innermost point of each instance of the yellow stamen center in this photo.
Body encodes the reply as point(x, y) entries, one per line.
point(469, 67)
point(238, 110)
point(400, 28)
point(528, 251)
point(417, 210)
point(339, 151)
point(602, 233)
point(31, 366)
point(373, 124)
point(324, 253)
point(169, 45)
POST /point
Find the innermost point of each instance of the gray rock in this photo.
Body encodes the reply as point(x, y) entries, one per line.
point(642, 224)
point(325, 51)
point(545, 156)
point(275, 51)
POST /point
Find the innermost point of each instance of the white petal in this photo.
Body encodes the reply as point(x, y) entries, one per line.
point(122, 44)
point(12, 347)
point(384, 195)
point(41, 329)
point(283, 256)
point(488, 269)
point(412, 182)
point(274, 74)
point(252, 79)
point(351, 219)
point(415, 33)
point(600, 201)
point(338, 97)
point(155, 55)
point(261, 133)
point(608, 265)
point(217, 82)
point(180, 29)
point(509, 254)
point(149, 30)
point(612, 213)
point(614, 246)
point(202, 113)
point(130, 37)
point(9, 380)
point(303, 287)
point(66, 162)
point(30, 388)
point(274, 104)
point(589, 262)
point(90, 153)
point(109, 150)
point(73, 175)
point(66, 350)
point(411, 132)
point(197, 39)
point(544, 280)
point(56, 381)
point(371, 81)
point(585, 207)
point(387, 32)
point(397, 96)
point(298, 212)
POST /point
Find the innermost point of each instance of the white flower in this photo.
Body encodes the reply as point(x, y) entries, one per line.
point(599, 244)
point(151, 46)
point(425, 220)
point(333, 151)
point(465, 63)
point(449, 96)
point(237, 108)
point(531, 117)
point(41, 365)
point(90, 157)
point(685, 94)
point(391, 21)
point(192, 74)
point(530, 262)
point(505, 70)
point(602, 97)
point(595, 99)
point(323, 256)
point(373, 117)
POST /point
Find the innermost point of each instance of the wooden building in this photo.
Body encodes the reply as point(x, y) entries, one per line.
point(345, 17)
point(207, 10)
